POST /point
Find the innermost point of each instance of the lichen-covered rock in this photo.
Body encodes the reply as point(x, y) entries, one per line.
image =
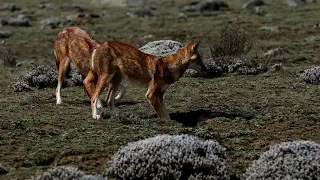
point(169, 157)
point(161, 48)
point(311, 76)
point(288, 160)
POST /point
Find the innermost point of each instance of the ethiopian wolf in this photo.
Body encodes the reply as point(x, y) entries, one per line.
point(75, 45)
point(114, 60)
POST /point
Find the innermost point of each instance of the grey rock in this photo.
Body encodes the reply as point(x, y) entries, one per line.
point(10, 7)
point(182, 16)
point(276, 67)
point(51, 22)
point(313, 38)
point(209, 5)
point(56, 22)
point(3, 170)
point(270, 28)
point(161, 48)
point(63, 7)
point(127, 3)
point(21, 20)
point(5, 34)
point(274, 52)
point(296, 3)
point(72, 7)
point(140, 12)
point(253, 3)
point(48, 6)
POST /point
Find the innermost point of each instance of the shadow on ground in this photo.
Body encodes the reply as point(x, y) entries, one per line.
point(192, 118)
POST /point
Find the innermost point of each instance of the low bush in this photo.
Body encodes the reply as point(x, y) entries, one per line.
point(288, 160)
point(169, 157)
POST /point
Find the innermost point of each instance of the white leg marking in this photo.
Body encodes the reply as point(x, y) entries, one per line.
point(122, 90)
point(92, 58)
point(95, 110)
point(55, 54)
point(99, 103)
point(58, 94)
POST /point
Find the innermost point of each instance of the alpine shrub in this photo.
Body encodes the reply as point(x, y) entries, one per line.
point(288, 160)
point(169, 157)
point(311, 76)
point(39, 77)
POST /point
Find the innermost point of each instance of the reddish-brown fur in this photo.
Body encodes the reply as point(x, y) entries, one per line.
point(76, 45)
point(114, 59)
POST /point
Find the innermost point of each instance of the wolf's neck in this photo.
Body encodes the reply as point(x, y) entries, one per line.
point(177, 65)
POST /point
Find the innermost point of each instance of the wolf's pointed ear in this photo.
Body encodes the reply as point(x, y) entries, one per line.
point(195, 47)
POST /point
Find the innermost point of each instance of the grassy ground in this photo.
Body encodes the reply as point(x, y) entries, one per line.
point(246, 114)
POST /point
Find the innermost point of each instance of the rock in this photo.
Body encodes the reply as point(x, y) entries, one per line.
point(126, 3)
point(274, 52)
point(10, 7)
point(253, 3)
point(259, 11)
point(3, 170)
point(161, 48)
point(5, 34)
point(209, 5)
point(276, 67)
point(72, 7)
point(63, 7)
point(44, 1)
point(48, 6)
point(313, 38)
point(270, 28)
point(21, 20)
point(182, 16)
point(52, 22)
point(140, 12)
point(296, 3)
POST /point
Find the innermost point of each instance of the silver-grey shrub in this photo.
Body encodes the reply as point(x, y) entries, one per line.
point(39, 77)
point(288, 160)
point(65, 173)
point(311, 75)
point(169, 157)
